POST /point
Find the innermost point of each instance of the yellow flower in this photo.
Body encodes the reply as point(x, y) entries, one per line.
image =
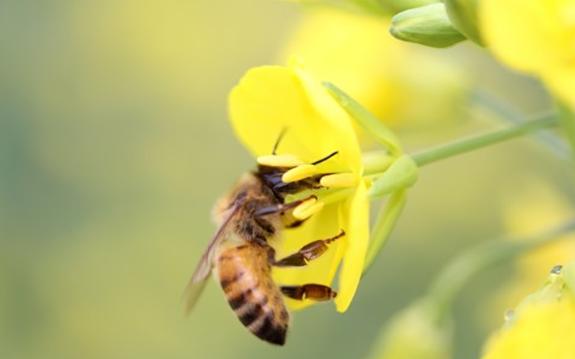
point(543, 326)
point(414, 333)
point(534, 209)
point(387, 76)
point(534, 36)
point(538, 208)
point(271, 99)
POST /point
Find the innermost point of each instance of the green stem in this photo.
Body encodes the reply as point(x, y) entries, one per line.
point(479, 141)
point(568, 123)
point(386, 220)
point(504, 111)
point(458, 272)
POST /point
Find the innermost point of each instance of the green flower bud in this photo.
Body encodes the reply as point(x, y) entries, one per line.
point(463, 15)
point(414, 333)
point(400, 175)
point(427, 25)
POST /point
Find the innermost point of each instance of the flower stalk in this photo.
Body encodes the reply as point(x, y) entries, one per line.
point(472, 143)
point(391, 172)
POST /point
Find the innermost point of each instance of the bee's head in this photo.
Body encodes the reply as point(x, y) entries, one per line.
point(286, 174)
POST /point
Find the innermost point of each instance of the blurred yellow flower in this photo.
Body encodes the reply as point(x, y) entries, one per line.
point(271, 99)
point(543, 326)
point(534, 209)
point(414, 333)
point(534, 36)
point(400, 83)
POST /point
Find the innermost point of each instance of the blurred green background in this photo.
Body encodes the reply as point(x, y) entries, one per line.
point(114, 143)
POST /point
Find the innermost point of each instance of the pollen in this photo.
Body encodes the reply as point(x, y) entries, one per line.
point(279, 161)
point(339, 180)
point(298, 173)
point(307, 209)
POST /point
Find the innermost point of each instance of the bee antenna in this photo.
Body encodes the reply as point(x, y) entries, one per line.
point(279, 139)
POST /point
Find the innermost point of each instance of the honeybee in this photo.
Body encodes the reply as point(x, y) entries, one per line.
point(241, 256)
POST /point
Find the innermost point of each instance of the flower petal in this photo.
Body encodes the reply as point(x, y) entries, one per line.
point(562, 82)
point(540, 331)
point(272, 98)
point(355, 216)
point(529, 35)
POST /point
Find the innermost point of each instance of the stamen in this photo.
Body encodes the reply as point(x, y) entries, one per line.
point(305, 210)
point(305, 204)
point(279, 161)
point(339, 180)
point(337, 195)
point(298, 173)
point(325, 158)
point(279, 139)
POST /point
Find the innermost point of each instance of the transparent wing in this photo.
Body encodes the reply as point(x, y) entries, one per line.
point(198, 281)
point(192, 293)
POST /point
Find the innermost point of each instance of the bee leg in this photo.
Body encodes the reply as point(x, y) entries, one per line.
point(316, 292)
point(307, 253)
point(264, 211)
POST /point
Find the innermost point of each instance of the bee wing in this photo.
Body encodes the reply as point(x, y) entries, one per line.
point(192, 293)
point(198, 281)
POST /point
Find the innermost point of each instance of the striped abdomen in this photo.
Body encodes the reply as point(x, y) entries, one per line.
point(245, 277)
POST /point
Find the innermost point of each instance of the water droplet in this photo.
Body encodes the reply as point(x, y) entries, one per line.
point(509, 315)
point(557, 269)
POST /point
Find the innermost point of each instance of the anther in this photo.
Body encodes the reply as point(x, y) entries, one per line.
point(303, 206)
point(279, 161)
point(298, 173)
point(338, 180)
point(307, 209)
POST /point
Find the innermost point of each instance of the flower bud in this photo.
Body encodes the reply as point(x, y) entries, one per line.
point(463, 16)
point(427, 25)
point(401, 174)
point(414, 333)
